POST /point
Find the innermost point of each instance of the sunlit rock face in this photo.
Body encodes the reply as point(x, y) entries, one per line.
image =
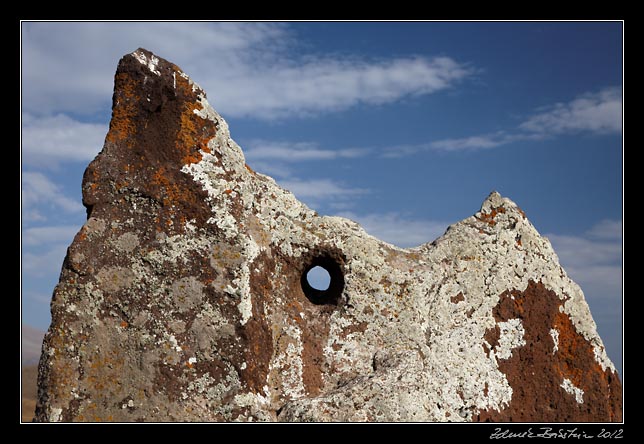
point(184, 296)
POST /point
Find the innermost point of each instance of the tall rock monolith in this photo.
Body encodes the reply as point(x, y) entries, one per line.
point(184, 296)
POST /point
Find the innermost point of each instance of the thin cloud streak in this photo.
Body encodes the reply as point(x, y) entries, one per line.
point(49, 141)
point(607, 229)
point(39, 191)
point(37, 236)
point(593, 259)
point(288, 89)
point(43, 264)
point(249, 69)
point(320, 189)
point(261, 150)
point(594, 113)
point(398, 229)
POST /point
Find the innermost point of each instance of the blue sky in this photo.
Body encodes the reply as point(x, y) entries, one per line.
point(403, 127)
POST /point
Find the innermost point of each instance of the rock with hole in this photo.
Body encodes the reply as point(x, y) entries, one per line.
point(185, 296)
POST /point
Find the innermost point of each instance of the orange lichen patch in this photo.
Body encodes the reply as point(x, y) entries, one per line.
point(104, 370)
point(488, 218)
point(203, 146)
point(537, 370)
point(228, 191)
point(571, 346)
point(124, 324)
point(172, 192)
point(122, 125)
point(189, 142)
point(190, 138)
point(249, 168)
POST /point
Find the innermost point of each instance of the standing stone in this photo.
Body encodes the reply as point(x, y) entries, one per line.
point(184, 296)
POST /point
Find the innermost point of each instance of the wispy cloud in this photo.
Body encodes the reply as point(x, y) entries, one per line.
point(43, 264)
point(598, 112)
point(37, 236)
point(277, 158)
point(472, 143)
point(468, 143)
point(607, 230)
point(593, 113)
point(287, 89)
point(398, 229)
point(261, 150)
point(249, 69)
point(320, 189)
point(593, 259)
point(40, 192)
point(60, 74)
point(48, 141)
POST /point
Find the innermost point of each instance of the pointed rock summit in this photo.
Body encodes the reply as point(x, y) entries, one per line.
point(184, 296)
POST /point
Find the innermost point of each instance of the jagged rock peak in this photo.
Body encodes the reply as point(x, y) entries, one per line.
point(184, 296)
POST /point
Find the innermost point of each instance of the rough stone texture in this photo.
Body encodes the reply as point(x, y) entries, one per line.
point(182, 298)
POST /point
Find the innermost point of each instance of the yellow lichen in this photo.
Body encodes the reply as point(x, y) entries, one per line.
point(124, 112)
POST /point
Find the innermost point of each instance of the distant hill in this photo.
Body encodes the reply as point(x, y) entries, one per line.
point(31, 344)
point(29, 391)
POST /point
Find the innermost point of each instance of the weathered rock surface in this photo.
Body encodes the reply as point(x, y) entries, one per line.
point(183, 297)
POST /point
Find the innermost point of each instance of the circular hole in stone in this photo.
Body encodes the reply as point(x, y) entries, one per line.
point(323, 281)
point(318, 278)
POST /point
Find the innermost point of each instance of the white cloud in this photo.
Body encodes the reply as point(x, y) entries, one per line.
point(578, 251)
point(37, 297)
point(39, 265)
point(276, 157)
point(38, 192)
point(599, 112)
point(593, 259)
point(595, 113)
point(258, 150)
point(49, 234)
point(320, 189)
point(273, 169)
point(607, 229)
point(287, 89)
point(599, 282)
point(47, 141)
point(249, 69)
point(69, 66)
point(471, 143)
point(398, 229)
point(468, 143)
